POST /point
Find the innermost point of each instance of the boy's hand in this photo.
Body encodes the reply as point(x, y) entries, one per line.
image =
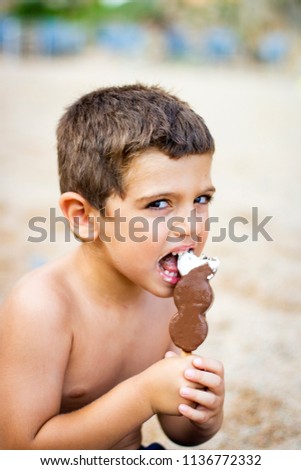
point(163, 381)
point(206, 390)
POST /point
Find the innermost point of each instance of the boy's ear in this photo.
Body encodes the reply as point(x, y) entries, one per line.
point(83, 217)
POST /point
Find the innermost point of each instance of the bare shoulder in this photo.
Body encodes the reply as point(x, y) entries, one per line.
point(40, 295)
point(35, 325)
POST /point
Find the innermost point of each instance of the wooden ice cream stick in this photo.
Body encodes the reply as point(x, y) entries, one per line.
point(185, 353)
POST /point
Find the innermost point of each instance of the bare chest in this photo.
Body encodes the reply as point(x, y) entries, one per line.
point(108, 349)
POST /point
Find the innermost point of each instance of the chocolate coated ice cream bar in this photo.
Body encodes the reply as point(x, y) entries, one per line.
point(193, 296)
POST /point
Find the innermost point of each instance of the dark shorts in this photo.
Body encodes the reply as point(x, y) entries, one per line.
point(153, 446)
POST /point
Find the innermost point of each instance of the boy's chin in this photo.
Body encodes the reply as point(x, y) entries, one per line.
point(164, 291)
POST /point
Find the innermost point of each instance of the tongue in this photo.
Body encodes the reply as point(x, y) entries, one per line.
point(169, 263)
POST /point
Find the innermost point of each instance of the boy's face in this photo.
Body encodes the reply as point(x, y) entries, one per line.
point(163, 213)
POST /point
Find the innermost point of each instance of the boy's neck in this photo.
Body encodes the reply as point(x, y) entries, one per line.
point(101, 279)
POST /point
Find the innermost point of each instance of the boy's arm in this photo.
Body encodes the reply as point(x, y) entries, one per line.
point(100, 425)
point(35, 345)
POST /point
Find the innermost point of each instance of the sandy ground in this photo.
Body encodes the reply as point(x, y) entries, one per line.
point(255, 116)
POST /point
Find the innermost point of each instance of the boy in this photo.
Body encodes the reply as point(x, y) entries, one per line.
point(85, 354)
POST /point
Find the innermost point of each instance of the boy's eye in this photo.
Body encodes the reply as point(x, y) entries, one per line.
point(203, 199)
point(160, 204)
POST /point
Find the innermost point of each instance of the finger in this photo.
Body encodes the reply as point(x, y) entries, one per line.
point(204, 378)
point(194, 414)
point(206, 399)
point(208, 364)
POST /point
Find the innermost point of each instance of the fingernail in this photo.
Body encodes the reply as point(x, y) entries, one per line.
point(190, 373)
point(184, 391)
point(197, 362)
point(183, 408)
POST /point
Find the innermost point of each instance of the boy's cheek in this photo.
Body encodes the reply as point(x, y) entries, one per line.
point(200, 221)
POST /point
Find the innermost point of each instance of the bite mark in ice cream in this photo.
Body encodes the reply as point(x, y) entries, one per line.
point(193, 296)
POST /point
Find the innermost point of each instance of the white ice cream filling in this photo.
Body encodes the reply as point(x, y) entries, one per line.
point(188, 261)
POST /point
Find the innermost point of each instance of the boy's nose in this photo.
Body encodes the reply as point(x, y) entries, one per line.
point(188, 226)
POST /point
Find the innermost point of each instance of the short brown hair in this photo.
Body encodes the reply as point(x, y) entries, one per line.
point(104, 130)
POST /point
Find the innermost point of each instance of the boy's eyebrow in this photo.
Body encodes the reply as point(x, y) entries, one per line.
point(209, 189)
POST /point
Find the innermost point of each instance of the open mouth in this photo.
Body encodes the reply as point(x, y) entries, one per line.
point(168, 267)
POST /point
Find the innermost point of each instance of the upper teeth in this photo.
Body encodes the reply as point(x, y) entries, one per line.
point(178, 252)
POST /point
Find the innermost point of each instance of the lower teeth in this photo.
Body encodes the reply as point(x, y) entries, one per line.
point(170, 274)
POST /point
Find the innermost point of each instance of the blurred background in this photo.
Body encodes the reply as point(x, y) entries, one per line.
point(238, 63)
point(195, 30)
